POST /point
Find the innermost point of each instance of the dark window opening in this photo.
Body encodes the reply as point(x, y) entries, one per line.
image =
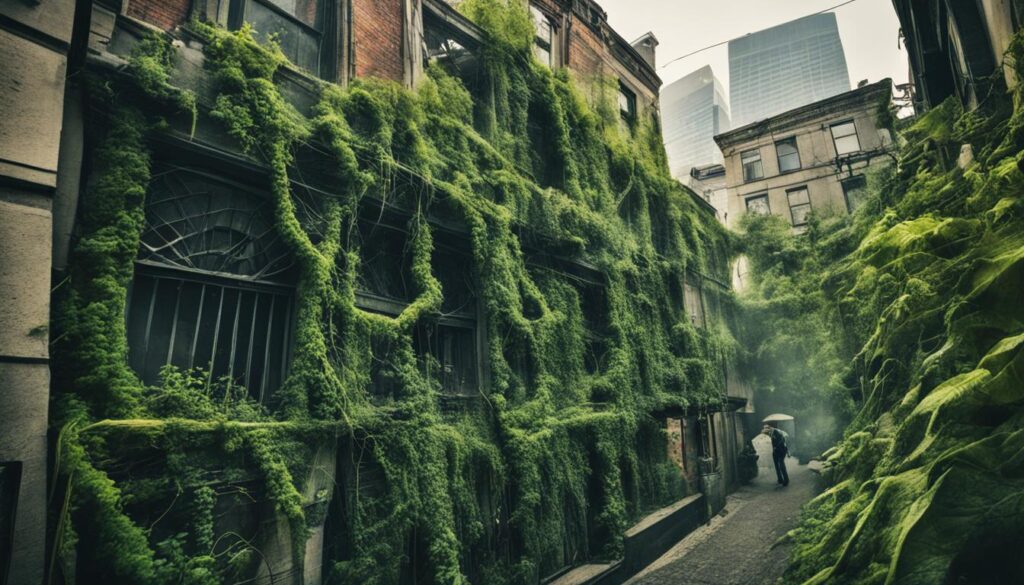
point(298, 27)
point(10, 487)
point(231, 331)
point(799, 206)
point(752, 167)
point(209, 290)
point(458, 281)
point(789, 156)
point(854, 190)
point(758, 204)
point(198, 222)
point(448, 354)
point(453, 48)
point(385, 262)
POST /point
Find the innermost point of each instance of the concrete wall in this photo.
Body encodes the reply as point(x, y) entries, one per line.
point(34, 43)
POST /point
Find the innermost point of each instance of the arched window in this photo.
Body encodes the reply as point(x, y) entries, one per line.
point(212, 284)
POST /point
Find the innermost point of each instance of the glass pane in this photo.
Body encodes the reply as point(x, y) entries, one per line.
point(758, 205)
point(299, 44)
point(800, 213)
point(543, 55)
point(844, 129)
point(799, 196)
point(304, 10)
point(753, 170)
point(847, 144)
point(789, 162)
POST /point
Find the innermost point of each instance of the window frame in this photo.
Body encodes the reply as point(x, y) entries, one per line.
point(539, 42)
point(789, 142)
point(835, 139)
point(846, 185)
point(760, 164)
point(630, 112)
point(789, 202)
point(767, 203)
point(326, 32)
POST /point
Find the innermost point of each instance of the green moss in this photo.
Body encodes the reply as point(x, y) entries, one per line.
point(569, 443)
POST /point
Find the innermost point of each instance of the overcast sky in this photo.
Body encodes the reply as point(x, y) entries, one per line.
point(868, 29)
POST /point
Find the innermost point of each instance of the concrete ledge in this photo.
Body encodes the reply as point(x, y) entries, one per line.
point(645, 542)
point(650, 538)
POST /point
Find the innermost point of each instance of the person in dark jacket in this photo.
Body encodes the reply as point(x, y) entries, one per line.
point(780, 448)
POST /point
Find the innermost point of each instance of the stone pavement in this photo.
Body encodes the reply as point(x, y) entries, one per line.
point(736, 549)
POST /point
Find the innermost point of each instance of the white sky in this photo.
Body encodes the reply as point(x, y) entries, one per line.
point(868, 29)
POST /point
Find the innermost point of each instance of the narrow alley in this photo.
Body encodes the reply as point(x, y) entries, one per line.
point(740, 546)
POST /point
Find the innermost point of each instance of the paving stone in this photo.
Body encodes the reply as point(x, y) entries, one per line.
point(737, 549)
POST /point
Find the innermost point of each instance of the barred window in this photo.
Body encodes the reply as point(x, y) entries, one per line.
point(211, 288)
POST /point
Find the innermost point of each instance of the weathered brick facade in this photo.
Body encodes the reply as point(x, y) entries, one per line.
point(165, 14)
point(377, 38)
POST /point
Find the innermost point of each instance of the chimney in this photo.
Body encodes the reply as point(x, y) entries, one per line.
point(645, 45)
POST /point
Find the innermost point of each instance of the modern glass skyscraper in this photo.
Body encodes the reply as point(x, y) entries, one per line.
point(785, 67)
point(693, 110)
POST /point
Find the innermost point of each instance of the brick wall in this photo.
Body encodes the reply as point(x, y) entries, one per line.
point(165, 14)
point(587, 52)
point(377, 38)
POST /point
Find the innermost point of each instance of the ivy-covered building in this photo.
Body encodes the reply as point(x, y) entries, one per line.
point(348, 291)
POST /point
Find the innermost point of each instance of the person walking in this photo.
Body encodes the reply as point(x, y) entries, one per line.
point(780, 449)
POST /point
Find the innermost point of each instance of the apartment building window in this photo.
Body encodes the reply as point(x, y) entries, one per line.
point(844, 136)
point(10, 486)
point(543, 36)
point(627, 102)
point(752, 167)
point(758, 204)
point(298, 27)
point(853, 191)
point(789, 156)
point(211, 284)
point(799, 205)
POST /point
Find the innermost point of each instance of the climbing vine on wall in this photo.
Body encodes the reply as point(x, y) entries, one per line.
point(570, 445)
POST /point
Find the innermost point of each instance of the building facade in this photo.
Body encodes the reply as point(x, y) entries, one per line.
point(955, 47)
point(785, 67)
point(810, 159)
point(708, 181)
point(211, 287)
point(694, 110)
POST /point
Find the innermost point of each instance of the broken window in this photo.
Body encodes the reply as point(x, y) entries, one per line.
point(758, 204)
point(543, 36)
point(799, 205)
point(752, 167)
point(844, 137)
point(789, 156)
point(296, 26)
point(210, 289)
point(854, 189)
point(10, 486)
point(627, 102)
point(452, 42)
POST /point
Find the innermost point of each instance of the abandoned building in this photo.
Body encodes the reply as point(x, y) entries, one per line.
point(955, 47)
point(810, 159)
point(214, 299)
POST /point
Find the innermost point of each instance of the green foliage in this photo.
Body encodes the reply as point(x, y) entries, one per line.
point(567, 440)
point(921, 289)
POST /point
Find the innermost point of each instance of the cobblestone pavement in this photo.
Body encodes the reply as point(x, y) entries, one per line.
point(736, 549)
